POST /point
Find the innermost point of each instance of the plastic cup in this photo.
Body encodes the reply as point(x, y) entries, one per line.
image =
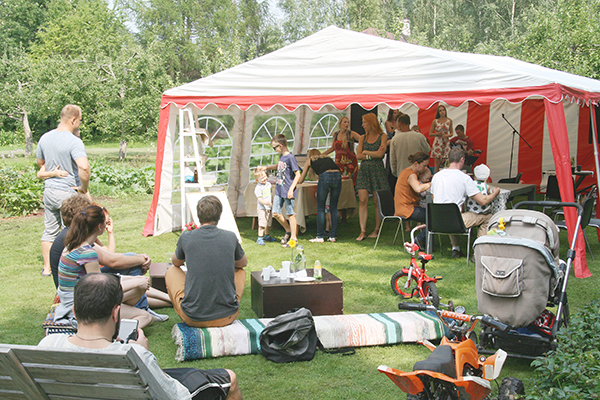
point(266, 274)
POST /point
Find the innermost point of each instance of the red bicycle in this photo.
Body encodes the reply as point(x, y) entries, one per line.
point(413, 281)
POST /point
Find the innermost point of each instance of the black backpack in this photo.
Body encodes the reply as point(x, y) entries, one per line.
point(290, 337)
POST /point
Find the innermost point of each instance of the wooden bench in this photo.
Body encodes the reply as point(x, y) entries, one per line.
point(30, 372)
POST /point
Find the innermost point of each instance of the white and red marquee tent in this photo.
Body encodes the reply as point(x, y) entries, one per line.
point(334, 68)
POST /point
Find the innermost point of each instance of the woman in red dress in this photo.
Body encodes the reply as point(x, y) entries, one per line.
point(343, 145)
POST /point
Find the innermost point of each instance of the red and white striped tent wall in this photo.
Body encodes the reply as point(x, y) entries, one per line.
point(335, 68)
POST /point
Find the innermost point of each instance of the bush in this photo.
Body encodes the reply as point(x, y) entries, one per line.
point(114, 180)
point(20, 192)
point(572, 371)
point(9, 138)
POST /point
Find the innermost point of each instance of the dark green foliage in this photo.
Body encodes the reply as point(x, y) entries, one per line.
point(119, 180)
point(20, 192)
point(573, 370)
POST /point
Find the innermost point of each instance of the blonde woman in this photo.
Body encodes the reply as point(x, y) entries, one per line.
point(441, 130)
point(343, 145)
point(372, 175)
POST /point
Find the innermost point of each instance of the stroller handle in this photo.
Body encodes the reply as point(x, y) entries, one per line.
point(544, 203)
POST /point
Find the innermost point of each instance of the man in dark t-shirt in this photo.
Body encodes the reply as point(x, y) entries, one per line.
point(208, 295)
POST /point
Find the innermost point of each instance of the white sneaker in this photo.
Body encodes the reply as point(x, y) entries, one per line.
point(317, 240)
point(158, 317)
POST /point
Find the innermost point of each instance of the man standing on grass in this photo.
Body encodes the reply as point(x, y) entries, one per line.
point(61, 149)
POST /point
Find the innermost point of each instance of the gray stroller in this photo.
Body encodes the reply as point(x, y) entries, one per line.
point(519, 276)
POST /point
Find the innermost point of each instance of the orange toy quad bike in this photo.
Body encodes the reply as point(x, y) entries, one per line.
point(455, 370)
point(412, 281)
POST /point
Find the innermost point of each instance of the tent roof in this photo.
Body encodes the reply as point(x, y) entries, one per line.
point(339, 67)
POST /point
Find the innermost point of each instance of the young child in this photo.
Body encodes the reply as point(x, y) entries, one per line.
point(263, 207)
point(481, 173)
point(424, 177)
point(288, 175)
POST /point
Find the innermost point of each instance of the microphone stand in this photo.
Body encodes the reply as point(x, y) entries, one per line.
point(512, 146)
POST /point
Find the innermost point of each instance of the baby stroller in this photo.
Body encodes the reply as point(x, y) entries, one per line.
point(519, 276)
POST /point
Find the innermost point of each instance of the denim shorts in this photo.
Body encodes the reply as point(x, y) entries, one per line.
point(289, 205)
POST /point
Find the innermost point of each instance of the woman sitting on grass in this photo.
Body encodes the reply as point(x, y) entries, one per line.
point(80, 258)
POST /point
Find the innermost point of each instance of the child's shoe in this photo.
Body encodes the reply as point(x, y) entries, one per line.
point(269, 238)
point(260, 241)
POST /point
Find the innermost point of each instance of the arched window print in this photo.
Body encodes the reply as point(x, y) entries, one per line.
point(322, 131)
point(262, 153)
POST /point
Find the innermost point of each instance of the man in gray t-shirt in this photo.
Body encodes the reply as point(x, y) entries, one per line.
point(208, 295)
point(65, 168)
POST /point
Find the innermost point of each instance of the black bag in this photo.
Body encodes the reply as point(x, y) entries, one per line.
point(290, 337)
point(196, 381)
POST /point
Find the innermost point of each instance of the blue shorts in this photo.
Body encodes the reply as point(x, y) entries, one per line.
point(289, 205)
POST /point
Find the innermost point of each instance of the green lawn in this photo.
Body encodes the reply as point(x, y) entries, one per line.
point(366, 273)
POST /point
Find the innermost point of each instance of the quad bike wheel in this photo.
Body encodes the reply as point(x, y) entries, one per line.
point(399, 284)
point(431, 294)
point(511, 389)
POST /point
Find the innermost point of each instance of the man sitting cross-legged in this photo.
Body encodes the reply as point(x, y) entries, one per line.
point(452, 185)
point(208, 295)
point(97, 305)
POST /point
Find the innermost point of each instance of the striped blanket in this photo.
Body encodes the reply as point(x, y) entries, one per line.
point(334, 331)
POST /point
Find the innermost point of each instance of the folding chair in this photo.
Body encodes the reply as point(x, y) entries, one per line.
point(446, 219)
point(385, 201)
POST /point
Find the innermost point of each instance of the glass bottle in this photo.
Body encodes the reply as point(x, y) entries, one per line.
point(299, 259)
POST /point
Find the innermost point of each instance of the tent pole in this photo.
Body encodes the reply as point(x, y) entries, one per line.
point(595, 141)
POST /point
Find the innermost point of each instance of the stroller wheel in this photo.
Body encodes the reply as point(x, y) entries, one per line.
point(510, 389)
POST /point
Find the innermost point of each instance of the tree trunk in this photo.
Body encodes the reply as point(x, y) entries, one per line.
point(28, 138)
point(122, 150)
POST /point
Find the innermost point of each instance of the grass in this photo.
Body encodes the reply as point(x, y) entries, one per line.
point(26, 296)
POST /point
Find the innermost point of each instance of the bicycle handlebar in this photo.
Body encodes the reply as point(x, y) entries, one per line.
point(489, 321)
point(485, 319)
point(416, 307)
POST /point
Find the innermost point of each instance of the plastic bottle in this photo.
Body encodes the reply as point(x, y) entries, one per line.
point(318, 271)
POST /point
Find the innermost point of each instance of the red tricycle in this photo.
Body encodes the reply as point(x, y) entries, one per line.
point(412, 281)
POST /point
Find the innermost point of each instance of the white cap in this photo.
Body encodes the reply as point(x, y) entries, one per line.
point(481, 172)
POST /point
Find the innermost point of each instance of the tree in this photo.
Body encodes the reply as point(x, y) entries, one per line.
point(115, 80)
point(305, 17)
point(199, 38)
point(19, 23)
point(564, 35)
point(15, 96)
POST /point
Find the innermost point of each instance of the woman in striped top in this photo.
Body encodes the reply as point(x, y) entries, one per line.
point(80, 258)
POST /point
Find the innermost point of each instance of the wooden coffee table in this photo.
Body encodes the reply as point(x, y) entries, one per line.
point(275, 297)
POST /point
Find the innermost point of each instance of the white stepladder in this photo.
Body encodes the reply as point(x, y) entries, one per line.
point(191, 157)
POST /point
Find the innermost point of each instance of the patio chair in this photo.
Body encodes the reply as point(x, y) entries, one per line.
point(588, 208)
point(515, 179)
point(446, 219)
point(385, 201)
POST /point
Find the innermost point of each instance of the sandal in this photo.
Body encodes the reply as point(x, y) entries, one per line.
point(373, 235)
point(285, 238)
point(362, 236)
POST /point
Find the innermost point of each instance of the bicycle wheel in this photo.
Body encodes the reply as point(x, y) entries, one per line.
point(431, 294)
point(398, 283)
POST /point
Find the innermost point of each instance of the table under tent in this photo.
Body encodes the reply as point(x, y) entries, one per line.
point(302, 89)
